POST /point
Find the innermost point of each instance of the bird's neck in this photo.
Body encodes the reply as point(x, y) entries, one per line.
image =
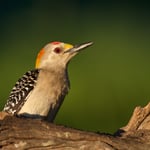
point(57, 74)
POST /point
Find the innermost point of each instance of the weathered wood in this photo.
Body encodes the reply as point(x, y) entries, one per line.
point(23, 133)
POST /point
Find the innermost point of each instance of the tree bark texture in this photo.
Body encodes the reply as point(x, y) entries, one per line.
point(32, 134)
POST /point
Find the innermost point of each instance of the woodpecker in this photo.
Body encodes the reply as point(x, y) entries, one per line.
point(41, 91)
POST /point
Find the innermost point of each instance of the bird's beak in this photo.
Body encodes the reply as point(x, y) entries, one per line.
point(78, 47)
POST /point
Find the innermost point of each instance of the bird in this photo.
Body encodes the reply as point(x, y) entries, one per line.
point(40, 92)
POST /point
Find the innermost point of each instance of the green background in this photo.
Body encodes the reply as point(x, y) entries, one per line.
point(107, 80)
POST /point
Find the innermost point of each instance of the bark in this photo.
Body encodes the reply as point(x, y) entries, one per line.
point(33, 134)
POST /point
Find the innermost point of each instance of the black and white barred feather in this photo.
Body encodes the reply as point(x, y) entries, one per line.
point(21, 91)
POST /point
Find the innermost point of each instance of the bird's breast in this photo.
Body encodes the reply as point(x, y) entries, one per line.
point(47, 93)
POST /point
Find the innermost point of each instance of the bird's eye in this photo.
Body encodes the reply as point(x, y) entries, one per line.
point(57, 50)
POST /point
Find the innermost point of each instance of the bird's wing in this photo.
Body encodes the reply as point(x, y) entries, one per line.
point(20, 91)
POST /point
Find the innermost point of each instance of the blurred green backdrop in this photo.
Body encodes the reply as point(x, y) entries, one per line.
point(107, 80)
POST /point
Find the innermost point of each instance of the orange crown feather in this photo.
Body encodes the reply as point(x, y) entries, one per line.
point(40, 54)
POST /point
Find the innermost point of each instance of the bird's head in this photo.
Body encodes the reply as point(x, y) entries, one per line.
point(56, 54)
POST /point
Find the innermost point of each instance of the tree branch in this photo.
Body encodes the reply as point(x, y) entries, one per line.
point(23, 133)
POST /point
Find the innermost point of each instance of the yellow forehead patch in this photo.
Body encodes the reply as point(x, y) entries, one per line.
point(67, 46)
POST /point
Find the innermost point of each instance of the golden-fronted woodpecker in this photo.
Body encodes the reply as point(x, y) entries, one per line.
point(40, 92)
